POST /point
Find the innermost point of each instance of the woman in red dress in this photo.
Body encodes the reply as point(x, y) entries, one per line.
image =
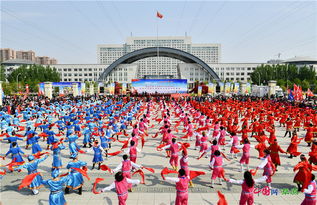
point(292, 148)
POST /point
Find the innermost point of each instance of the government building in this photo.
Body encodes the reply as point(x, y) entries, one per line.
point(178, 58)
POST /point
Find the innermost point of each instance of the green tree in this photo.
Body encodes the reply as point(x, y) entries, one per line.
point(32, 75)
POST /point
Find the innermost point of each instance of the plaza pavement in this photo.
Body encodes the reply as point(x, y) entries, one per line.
point(156, 191)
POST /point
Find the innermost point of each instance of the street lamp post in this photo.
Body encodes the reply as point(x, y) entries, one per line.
point(259, 78)
point(18, 81)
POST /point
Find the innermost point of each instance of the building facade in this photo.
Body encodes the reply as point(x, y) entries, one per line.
point(90, 72)
point(7, 54)
point(26, 55)
point(108, 53)
point(10, 54)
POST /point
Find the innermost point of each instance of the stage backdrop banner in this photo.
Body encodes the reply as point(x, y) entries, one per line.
point(227, 87)
point(236, 88)
point(211, 88)
point(161, 86)
point(222, 87)
point(124, 88)
point(64, 87)
point(200, 89)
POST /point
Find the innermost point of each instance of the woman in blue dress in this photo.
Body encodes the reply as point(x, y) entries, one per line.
point(98, 150)
point(87, 139)
point(32, 168)
point(73, 147)
point(16, 152)
point(35, 145)
point(76, 180)
point(57, 160)
point(56, 186)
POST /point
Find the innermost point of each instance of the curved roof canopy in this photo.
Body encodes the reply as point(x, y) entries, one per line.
point(154, 52)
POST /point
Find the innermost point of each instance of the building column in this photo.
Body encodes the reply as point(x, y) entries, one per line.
point(272, 87)
point(48, 89)
point(1, 94)
point(75, 89)
point(243, 88)
point(91, 88)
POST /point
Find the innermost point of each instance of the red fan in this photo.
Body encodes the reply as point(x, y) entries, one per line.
point(222, 200)
point(94, 190)
point(149, 169)
point(235, 150)
point(105, 168)
point(167, 171)
point(141, 174)
point(23, 120)
point(125, 145)
point(152, 126)
point(28, 180)
point(84, 173)
point(194, 174)
point(59, 134)
point(114, 153)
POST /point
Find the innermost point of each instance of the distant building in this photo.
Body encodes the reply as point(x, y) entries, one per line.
point(108, 53)
point(7, 54)
point(300, 61)
point(25, 55)
point(44, 60)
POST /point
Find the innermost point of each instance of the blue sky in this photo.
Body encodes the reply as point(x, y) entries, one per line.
point(249, 31)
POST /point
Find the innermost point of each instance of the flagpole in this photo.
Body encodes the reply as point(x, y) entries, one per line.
point(157, 45)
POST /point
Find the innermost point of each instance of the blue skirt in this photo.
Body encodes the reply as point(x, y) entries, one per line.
point(36, 183)
point(57, 198)
point(86, 139)
point(17, 157)
point(97, 158)
point(75, 180)
point(57, 161)
point(73, 147)
point(36, 148)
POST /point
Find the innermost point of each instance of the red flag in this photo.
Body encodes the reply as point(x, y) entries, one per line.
point(28, 180)
point(105, 168)
point(149, 169)
point(194, 174)
point(167, 171)
point(94, 190)
point(83, 172)
point(222, 199)
point(159, 15)
point(114, 153)
point(141, 174)
point(310, 93)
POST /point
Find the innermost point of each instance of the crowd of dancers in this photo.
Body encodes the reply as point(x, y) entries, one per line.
point(78, 126)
